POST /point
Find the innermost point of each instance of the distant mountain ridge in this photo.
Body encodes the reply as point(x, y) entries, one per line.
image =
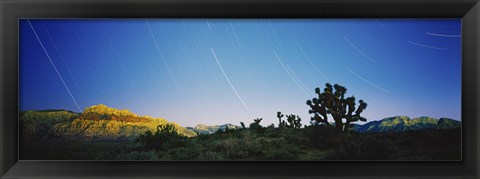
point(404, 123)
point(97, 122)
point(101, 122)
point(204, 129)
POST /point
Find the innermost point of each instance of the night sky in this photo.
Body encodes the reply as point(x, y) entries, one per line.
point(217, 71)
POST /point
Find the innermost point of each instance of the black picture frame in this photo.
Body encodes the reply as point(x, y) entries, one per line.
point(12, 10)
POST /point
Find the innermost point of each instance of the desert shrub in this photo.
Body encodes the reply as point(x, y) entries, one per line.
point(185, 153)
point(271, 126)
point(255, 126)
point(430, 144)
point(286, 153)
point(239, 149)
point(353, 146)
point(164, 138)
point(138, 155)
point(203, 136)
point(272, 133)
point(209, 155)
point(278, 148)
point(324, 137)
point(294, 136)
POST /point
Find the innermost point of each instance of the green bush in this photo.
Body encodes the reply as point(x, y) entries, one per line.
point(164, 138)
point(324, 137)
point(255, 126)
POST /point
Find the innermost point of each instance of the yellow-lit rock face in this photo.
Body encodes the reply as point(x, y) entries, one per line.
point(103, 109)
point(98, 122)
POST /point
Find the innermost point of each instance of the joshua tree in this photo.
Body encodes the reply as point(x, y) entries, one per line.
point(332, 101)
point(281, 123)
point(243, 125)
point(256, 124)
point(294, 121)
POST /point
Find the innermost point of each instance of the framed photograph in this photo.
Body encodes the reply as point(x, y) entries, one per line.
point(240, 89)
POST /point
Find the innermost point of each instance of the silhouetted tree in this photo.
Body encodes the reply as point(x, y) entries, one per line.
point(256, 125)
point(243, 125)
point(332, 101)
point(281, 123)
point(294, 121)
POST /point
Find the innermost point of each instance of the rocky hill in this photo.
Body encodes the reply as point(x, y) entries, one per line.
point(100, 122)
point(204, 129)
point(404, 123)
point(97, 122)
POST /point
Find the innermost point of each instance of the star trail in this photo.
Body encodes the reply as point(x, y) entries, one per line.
point(217, 71)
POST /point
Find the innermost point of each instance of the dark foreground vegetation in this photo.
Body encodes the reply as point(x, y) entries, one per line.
point(288, 140)
point(264, 144)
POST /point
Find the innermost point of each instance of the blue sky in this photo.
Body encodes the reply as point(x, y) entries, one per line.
point(216, 71)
